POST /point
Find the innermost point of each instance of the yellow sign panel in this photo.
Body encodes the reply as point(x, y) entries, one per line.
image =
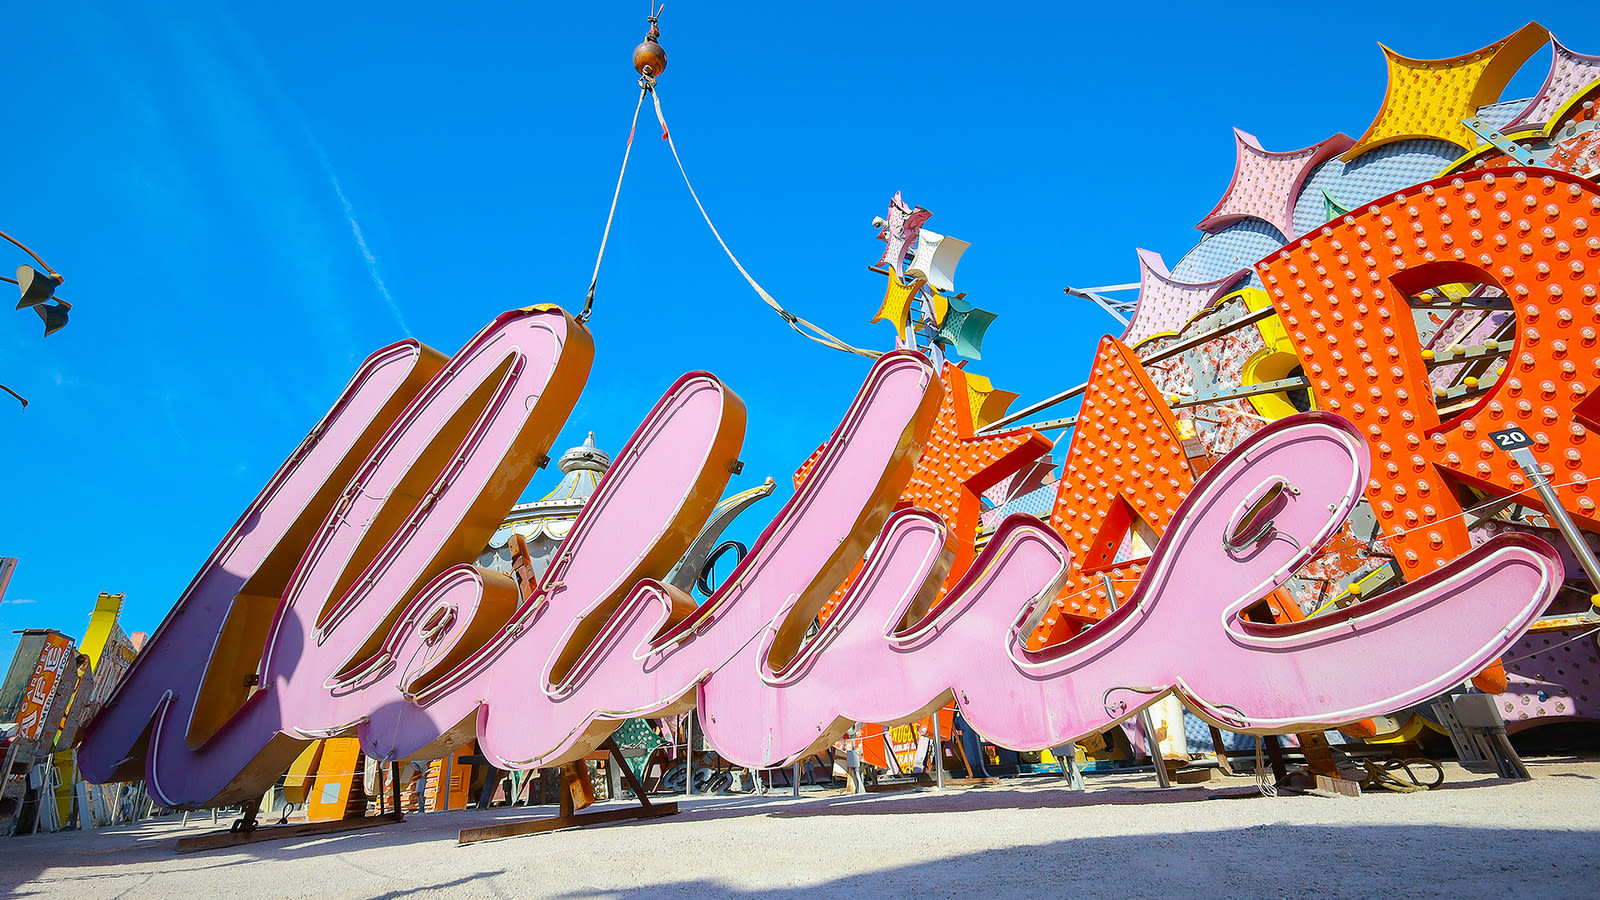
point(1428, 98)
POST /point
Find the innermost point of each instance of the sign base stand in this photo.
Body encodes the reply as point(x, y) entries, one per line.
point(570, 818)
point(233, 838)
point(244, 830)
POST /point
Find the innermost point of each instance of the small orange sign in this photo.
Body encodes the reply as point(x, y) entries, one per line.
point(53, 660)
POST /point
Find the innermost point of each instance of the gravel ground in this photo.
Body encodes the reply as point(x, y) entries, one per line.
point(1476, 836)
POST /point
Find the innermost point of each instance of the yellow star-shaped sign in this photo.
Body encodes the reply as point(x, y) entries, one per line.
point(1428, 98)
point(896, 306)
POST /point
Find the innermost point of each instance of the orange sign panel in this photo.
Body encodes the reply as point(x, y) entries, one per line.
point(333, 790)
point(1123, 477)
point(54, 658)
point(956, 466)
point(1343, 296)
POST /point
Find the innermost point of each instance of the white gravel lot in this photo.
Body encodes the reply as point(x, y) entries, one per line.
point(1477, 836)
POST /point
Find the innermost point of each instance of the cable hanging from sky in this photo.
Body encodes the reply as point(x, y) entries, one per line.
point(650, 60)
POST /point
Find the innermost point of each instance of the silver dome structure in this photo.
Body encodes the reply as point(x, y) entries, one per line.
point(544, 523)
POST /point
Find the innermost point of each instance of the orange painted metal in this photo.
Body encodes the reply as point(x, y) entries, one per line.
point(334, 794)
point(955, 468)
point(55, 659)
point(1342, 294)
point(1125, 465)
point(452, 795)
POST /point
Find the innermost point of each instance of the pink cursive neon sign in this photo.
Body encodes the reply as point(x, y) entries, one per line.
point(342, 602)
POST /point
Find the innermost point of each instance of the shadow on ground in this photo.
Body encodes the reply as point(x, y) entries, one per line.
point(1336, 860)
point(1259, 861)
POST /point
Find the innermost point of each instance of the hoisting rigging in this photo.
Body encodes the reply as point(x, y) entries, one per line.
point(650, 60)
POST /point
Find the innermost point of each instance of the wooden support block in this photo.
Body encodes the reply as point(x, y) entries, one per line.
point(1339, 786)
point(1222, 755)
point(1275, 755)
point(1319, 756)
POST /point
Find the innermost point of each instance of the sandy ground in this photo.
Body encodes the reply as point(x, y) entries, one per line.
point(1476, 836)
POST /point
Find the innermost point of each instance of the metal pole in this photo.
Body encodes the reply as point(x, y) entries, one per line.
point(1154, 748)
point(1552, 503)
point(795, 777)
point(1259, 315)
point(938, 751)
point(688, 756)
point(1027, 411)
point(1145, 721)
point(1067, 756)
point(853, 760)
point(1105, 303)
point(1249, 318)
point(1239, 393)
point(444, 783)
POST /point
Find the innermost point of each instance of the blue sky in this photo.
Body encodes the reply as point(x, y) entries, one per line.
point(247, 199)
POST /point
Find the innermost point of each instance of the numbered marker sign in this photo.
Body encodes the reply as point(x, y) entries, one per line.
point(1512, 438)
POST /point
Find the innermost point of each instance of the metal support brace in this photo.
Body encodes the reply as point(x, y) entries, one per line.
point(1154, 748)
point(1145, 721)
point(1260, 315)
point(1568, 528)
point(568, 817)
point(1114, 308)
point(1067, 756)
point(1506, 145)
point(1248, 390)
point(1053, 424)
point(688, 756)
point(852, 759)
point(1221, 751)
